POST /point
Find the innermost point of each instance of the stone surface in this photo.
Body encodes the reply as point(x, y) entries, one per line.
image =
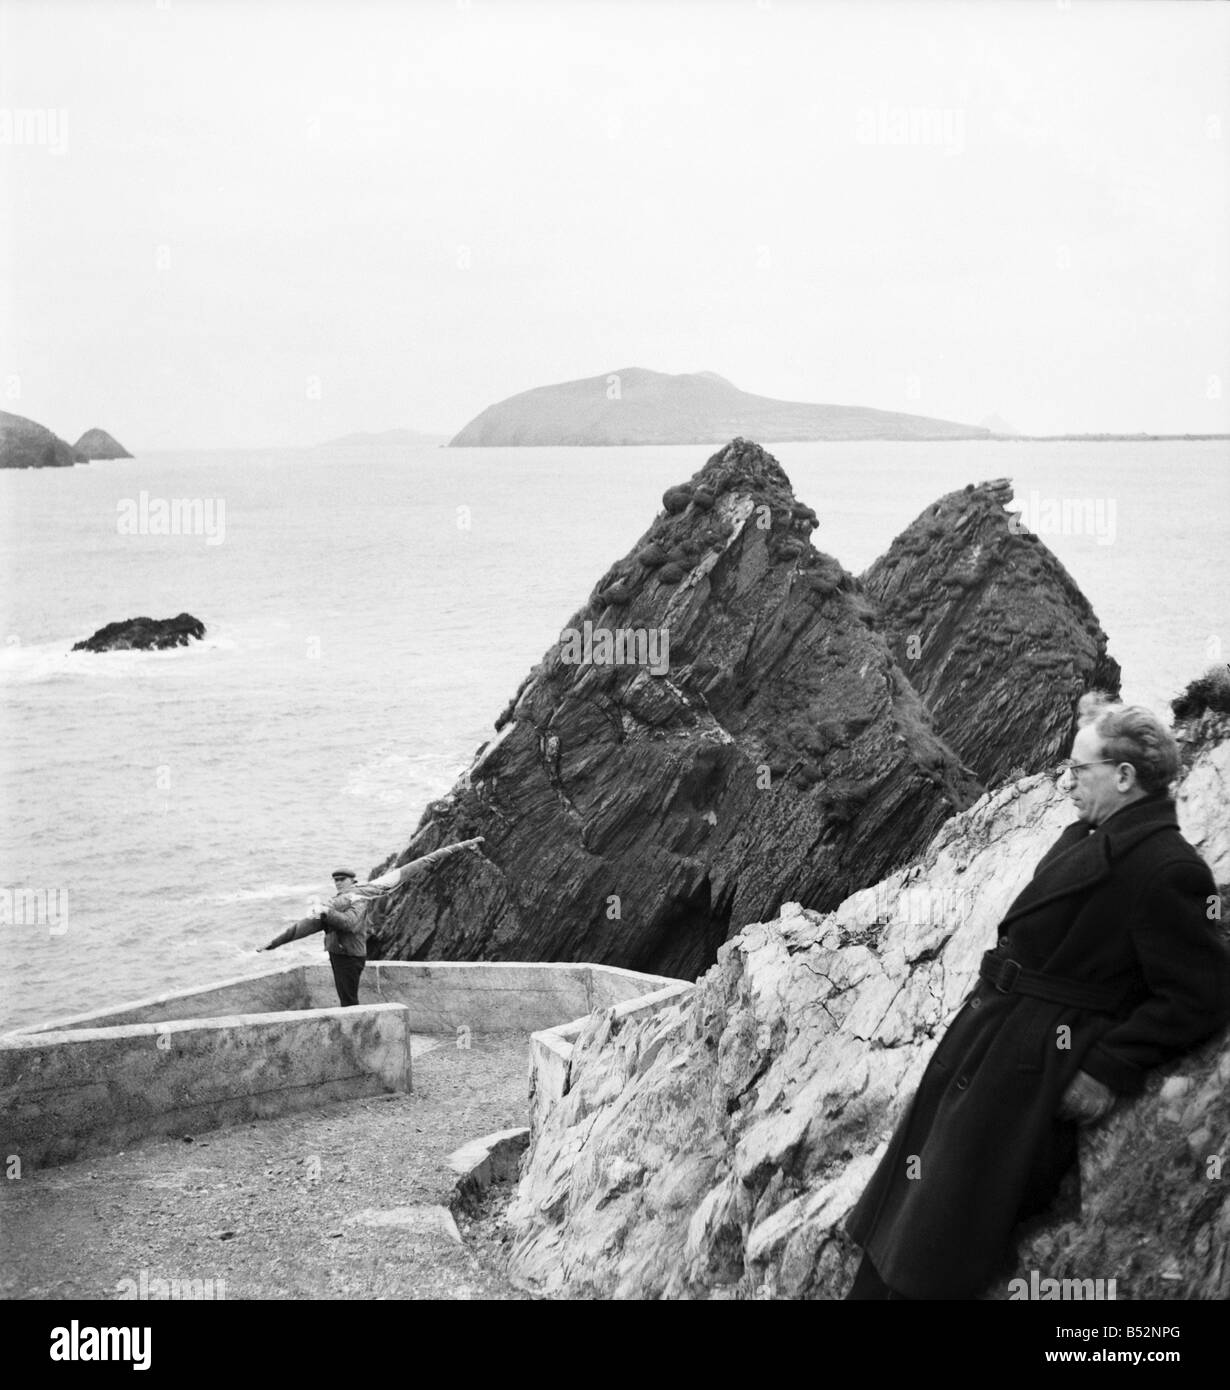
point(714, 1146)
point(26, 444)
point(992, 632)
point(98, 1090)
point(636, 406)
point(638, 817)
point(143, 634)
point(98, 444)
point(489, 1159)
point(414, 1220)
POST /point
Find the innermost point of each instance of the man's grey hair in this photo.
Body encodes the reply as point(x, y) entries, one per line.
point(1132, 734)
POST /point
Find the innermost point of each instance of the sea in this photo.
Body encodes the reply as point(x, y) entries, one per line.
point(369, 612)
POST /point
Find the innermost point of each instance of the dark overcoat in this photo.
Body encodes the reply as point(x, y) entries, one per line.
point(1124, 908)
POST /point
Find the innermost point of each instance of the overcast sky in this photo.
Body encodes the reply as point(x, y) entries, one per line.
point(264, 223)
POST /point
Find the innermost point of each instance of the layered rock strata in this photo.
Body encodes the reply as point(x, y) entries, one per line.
point(992, 632)
point(767, 748)
point(639, 814)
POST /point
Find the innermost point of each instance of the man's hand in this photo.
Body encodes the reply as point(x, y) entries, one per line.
point(468, 844)
point(1086, 1100)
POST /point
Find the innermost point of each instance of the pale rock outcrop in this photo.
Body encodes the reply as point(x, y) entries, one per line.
point(713, 1149)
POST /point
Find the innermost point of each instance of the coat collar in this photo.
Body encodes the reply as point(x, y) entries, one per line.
point(1128, 826)
point(1082, 857)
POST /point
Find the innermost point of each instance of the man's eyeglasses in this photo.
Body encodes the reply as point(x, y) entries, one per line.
point(1068, 766)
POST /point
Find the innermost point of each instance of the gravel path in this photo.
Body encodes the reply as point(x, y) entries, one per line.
point(270, 1207)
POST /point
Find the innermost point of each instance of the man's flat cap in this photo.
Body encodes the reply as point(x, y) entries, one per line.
point(344, 873)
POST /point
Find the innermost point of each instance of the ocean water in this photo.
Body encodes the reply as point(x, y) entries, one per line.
point(369, 613)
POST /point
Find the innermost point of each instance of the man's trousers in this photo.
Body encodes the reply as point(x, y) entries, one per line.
point(346, 972)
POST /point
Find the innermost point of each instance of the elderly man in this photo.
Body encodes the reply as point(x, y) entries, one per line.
point(1109, 963)
point(344, 919)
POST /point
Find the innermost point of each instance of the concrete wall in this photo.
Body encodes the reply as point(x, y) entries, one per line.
point(489, 996)
point(484, 996)
point(261, 1045)
point(273, 992)
point(99, 1090)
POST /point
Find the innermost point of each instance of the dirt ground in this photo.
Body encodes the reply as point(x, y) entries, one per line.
point(297, 1207)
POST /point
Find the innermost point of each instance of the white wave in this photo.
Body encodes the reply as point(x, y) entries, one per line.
point(36, 662)
point(396, 778)
point(271, 892)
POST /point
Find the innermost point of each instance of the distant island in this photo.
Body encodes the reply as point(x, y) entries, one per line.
point(27, 444)
point(638, 406)
point(1140, 437)
point(98, 444)
point(379, 439)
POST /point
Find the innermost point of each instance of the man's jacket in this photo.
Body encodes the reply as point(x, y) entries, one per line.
point(1122, 915)
point(343, 922)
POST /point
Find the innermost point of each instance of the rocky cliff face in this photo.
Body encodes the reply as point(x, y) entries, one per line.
point(636, 406)
point(636, 814)
point(639, 814)
point(713, 1149)
point(992, 632)
point(25, 444)
point(98, 444)
point(144, 634)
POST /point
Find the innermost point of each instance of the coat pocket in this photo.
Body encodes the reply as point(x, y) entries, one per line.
point(1039, 1036)
point(952, 1045)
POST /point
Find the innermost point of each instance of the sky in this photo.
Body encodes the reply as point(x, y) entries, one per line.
point(230, 225)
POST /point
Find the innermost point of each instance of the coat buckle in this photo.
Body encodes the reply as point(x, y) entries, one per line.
point(1005, 976)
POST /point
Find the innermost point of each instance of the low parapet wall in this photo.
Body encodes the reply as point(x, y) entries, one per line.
point(551, 1048)
point(442, 996)
point(263, 1045)
point(502, 997)
point(276, 991)
point(98, 1090)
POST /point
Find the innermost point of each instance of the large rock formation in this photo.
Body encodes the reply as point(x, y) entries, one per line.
point(714, 1148)
point(143, 634)
point(636, 406)
point(639, 814)
point(98, 444)
point(991, 630)
point(25, 444)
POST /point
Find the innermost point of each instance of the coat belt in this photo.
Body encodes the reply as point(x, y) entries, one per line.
point(1010, 977)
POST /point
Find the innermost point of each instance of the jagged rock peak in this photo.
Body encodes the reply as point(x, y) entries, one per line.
point(992, 631)
point(636, 812)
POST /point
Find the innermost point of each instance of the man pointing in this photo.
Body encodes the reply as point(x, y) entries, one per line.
point(344, 918)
